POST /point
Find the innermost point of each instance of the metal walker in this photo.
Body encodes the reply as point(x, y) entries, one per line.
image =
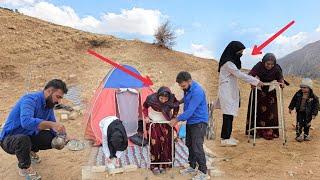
point(280, 104)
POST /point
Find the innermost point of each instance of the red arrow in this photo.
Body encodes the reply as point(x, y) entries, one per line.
point(146, 81)
point(257, 49)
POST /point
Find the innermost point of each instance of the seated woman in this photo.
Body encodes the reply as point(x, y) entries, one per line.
point(164, 107)
point(267, 112)
point(114, 140)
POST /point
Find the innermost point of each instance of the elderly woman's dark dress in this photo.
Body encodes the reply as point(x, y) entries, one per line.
point(267, 111)
point(161, 135)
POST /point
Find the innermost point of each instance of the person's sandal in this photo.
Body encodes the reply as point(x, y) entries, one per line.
point(163, 170)
point(156, 171)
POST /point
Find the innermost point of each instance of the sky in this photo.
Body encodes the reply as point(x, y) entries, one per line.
point(203, 28)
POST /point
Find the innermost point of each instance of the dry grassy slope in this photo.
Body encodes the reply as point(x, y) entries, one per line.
point(41, 50)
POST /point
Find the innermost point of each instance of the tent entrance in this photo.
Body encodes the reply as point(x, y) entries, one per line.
point(128, 109)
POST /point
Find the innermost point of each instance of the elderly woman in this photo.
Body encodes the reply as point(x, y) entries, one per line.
point(161, 106)
point(267, 112)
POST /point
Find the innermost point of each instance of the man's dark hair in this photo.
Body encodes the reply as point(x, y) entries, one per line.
point(183, 76)
point(57, 84)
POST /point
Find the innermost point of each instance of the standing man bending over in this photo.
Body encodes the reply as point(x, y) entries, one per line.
point(196, 115)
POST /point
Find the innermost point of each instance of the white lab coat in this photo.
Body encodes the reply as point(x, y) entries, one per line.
point(228, 95)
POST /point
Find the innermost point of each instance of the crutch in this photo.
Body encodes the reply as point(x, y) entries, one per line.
point(172, 144)
point(281, 121)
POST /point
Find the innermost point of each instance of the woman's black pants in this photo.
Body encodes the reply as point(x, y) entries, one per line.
point(226, 126)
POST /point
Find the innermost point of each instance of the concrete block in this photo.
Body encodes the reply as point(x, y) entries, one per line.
point(64, 117)
point(85, 173)
point(88, 174)
point(98, 169)
point(62, 111)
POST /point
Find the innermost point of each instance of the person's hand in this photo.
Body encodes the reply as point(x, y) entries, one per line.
point(313, 117)
point(181, 101)
point(260, 84)
point(108, 160)
point(59, 128)
point(175, 136)
point(173, 122)
point(147, 119)
point(290, 111)
point(69, 138)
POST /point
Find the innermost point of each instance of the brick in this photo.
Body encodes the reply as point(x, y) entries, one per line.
point(130, 168)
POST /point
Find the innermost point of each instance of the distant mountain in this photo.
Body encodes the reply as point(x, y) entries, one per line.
point(304, 62)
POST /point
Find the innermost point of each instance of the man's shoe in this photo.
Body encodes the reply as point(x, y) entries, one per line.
point(307, 138)
point(299, 138)
point(188, 170)
point(201, 176)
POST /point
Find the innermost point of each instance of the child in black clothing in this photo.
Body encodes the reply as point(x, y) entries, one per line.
point(306, 104)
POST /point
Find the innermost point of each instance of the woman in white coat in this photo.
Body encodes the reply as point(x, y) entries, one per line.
point(114, 140)
point(229, 92)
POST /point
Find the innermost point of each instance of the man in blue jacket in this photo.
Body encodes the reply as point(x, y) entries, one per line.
point(31, 125)
point(196, 115)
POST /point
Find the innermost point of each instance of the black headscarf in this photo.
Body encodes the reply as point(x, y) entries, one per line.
point(117, 138)
point(230, 54)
